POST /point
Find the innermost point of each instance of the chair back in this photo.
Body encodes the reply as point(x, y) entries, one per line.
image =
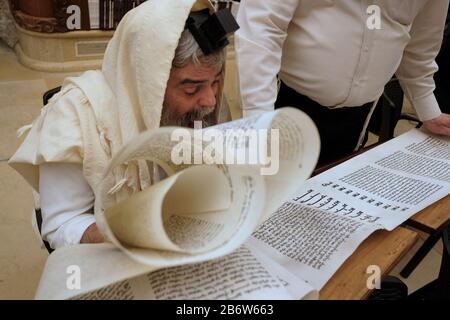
point(45, 98)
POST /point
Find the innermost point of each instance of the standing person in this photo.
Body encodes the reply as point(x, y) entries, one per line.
point(333, 61)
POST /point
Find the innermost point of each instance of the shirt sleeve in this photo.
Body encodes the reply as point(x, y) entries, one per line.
point(418, 64)
point(259, 43)
point(66, 203)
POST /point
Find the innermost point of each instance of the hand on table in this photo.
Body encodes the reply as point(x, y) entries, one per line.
point(439, 125)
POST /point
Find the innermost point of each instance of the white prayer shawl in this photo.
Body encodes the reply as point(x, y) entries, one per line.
point(95, 114)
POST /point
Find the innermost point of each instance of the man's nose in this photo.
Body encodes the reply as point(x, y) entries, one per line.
point(208, 98)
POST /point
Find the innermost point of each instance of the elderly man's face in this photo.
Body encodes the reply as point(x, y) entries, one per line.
point(191, 94)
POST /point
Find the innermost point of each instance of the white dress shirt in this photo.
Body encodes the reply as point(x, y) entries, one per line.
point(324, 49)
point(67, 203)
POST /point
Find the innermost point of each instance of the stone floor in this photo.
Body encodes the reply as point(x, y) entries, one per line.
point(21, 255)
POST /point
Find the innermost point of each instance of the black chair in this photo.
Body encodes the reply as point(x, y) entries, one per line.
point(49, 94)
point(46, 97)
point(438, 289)
point(392, 288)
point(39, 224)
point(388, 112)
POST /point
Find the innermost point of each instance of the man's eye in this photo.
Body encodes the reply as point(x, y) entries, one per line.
point(190, 93)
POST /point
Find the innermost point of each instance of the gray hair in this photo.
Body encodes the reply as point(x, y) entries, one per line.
point(188, 50)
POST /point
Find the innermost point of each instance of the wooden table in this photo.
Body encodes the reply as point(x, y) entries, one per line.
point(382, 248)
point(434, 216)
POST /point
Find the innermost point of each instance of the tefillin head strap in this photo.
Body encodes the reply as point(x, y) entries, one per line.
point(211, 30)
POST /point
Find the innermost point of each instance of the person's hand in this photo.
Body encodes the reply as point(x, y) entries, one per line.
point(439, 125)
point(92, 235)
